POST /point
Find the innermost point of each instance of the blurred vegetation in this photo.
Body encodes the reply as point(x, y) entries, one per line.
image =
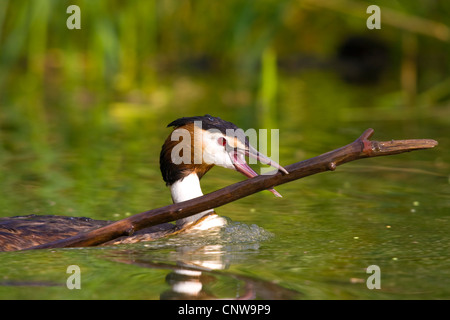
point(79, 107)
point(83, 114)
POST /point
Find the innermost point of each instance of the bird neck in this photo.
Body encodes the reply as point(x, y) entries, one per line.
point(184, 189)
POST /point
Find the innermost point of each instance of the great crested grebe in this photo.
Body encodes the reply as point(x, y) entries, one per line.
point(192, 149)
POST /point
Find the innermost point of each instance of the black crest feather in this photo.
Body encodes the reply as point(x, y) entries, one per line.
point(208, 122)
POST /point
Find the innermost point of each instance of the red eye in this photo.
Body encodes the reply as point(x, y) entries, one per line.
point(222, 141)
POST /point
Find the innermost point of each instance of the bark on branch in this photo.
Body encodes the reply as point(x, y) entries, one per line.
point(360, 148)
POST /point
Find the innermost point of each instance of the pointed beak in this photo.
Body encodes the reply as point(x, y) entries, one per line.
point(238, 157)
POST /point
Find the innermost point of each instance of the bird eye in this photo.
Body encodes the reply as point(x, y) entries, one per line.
point(222, 141)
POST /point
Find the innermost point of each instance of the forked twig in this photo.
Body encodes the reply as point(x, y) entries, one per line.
point(360, 148)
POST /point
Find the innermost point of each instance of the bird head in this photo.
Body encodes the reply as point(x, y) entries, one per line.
point(199, 143)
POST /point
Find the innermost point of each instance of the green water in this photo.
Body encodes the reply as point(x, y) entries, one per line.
point(83, 115)
point(314, 243)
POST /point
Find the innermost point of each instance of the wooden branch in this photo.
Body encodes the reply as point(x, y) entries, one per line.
point(360, 148)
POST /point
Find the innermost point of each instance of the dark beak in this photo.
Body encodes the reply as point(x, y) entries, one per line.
point(238, 157)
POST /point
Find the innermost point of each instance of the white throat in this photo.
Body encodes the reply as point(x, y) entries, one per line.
point(186, 189)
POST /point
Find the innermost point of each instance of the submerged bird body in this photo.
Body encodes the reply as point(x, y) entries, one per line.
point(193, 148)
point(22, 232)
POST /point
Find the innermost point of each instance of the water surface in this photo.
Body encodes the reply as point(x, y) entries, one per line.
point(314, 243)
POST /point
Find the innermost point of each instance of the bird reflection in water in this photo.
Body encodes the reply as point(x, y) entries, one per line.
point(197, 272)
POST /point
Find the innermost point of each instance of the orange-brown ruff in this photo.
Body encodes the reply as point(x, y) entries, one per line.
point(21, 232)
point(172, 172)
